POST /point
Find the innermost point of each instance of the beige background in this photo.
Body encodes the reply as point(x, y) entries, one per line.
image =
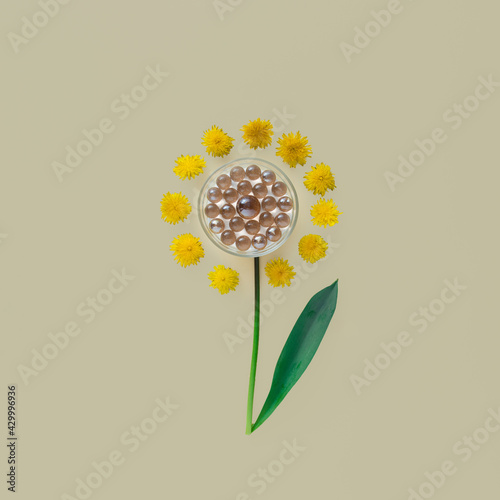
point(163, 335)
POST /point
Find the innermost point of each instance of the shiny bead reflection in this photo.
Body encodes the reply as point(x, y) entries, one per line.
point(253, 172)
point(228, 237)
point(273, 233)
point(259, 242)
point(217, 226)
point(228, 211)
point(282, 220)
point(268, 177)
point(214, 194)
point(285, 204)
point(237, 174)
point(231, 195)
point(223, 181)
point(266, 219)
point(260, 190)
point(237, 224)
point(279, 188)
point(248, 207)
point(243, 243)
point(269, 203)
point(252, 227)
point(244, 187)
point(212, 210)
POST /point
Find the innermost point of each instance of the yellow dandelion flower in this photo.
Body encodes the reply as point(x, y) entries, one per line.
point(257, 133)
point(325, 213)
point(187, 249)
point(320, 179)
point(175, 208)
point(223, 279)
point(279, 272)
point(294, 149)
point(188, 167)
point(312, 248)
point(217, 142)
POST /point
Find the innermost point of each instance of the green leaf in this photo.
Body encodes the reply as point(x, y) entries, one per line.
point(300, 348)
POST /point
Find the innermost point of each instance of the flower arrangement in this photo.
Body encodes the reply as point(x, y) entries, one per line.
point(249, 207)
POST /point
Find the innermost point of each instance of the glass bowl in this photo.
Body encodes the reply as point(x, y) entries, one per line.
point(235, 197)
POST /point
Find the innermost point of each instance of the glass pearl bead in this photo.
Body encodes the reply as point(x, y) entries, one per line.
point(285, 204)
point(243, 243)
point(268, 177)
point(217, 226)
point(279, 188)
point(282, 220)
point(237, 224)
point(253, 172)
point(259, 242)
point(212, 210)
point(228, 237)
point(252, 227)
point(273, 233)
point(266, 219)
point(248, 207)
point(228, 211)
point(231, 195)
point(269, 203)
point(214, 195)
point(223, 181)
point(244, 187)
point(237, 174)
point(260, 190)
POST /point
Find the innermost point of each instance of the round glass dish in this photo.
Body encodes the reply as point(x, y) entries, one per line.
point(248, 207)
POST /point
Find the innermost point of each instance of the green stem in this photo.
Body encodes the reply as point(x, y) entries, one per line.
point(255, 349)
